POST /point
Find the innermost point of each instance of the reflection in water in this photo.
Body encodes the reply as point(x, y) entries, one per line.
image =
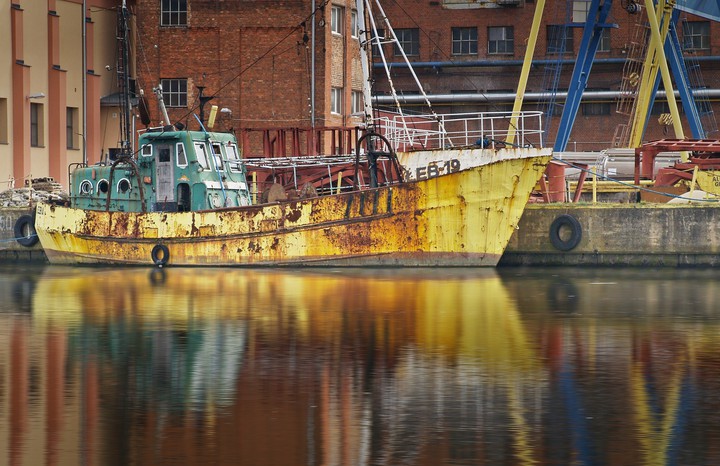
point(343, 367)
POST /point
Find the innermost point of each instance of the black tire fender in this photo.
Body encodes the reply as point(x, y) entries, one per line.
point(160, 255)
point(575, 232)
point(24, 230)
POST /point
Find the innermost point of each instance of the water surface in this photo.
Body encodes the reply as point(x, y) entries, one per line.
point(536, 366)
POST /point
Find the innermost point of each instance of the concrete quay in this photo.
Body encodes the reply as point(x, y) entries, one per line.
point(617, 234)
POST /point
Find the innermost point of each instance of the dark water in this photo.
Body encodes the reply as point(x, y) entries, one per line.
point(359, 367)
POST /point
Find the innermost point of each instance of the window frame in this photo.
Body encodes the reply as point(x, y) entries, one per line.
point(554, 40)
point(337, 20)
point(3, 120)
point(504, 40)
point(180, 148)
point(605, 43)
point(696, 31)
point(37, 128)
point(336, 100)
point(173, 13)
point(233, 162)
point(199, 147)
point(71, 122)
point(580, 9)
point(175, 96)
point(354, 25)
point(410, 45)
point(356, 102)
point(467, 45)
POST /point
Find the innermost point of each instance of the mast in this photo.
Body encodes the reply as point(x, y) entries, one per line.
point(123, 74)
point(84, 81)
point(365, 42)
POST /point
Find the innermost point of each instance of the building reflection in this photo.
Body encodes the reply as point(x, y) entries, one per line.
point(126, 366)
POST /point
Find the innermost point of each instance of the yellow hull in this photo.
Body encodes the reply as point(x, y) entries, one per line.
point(464, 218)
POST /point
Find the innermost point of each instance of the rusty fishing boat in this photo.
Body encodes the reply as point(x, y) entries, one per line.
point(185, 199)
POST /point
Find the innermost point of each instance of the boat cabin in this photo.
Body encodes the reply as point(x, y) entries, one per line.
point(174, 171)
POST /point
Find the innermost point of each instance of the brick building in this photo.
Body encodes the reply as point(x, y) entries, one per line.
point(254, 59)
point(468, 57)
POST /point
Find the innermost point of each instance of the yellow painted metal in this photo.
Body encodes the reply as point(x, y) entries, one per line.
point(655, 429)
point(525, 70)
point(462, 218)
point(708, 181)
point(655, 61)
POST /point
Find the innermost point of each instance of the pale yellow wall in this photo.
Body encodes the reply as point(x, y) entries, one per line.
point(35, 20)
point(35, 17)
point(105, 53)
point(6, 93)
point(71, 18)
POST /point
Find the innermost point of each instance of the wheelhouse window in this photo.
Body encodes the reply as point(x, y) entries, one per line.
point(233, 158)
point(36, 125)
point(201, 155)
point(217, 155)
point(559, 39)
point(696, 35)
point(174, 92)
point(464, 41)
point(164, 153)
point(337, 19)
point(409, 40)
point(336, 100)
point(173, 13)
point(146, 150)
point(501, 40)
point(180, 157)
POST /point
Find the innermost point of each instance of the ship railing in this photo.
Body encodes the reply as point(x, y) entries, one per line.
point(490, 129)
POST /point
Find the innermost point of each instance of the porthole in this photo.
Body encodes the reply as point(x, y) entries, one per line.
point(86, 187)
point(103, 186)
point(123, 186)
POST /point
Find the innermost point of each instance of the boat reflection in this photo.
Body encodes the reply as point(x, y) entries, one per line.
point(458, 366)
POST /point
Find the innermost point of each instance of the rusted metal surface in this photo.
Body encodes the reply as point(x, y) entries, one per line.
point(464, 218)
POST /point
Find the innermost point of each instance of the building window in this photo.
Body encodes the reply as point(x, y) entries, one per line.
point(501, 40)
point(559, 39)
point(3, 121)
point(174, 92)
point(36, 125)
point(71, 125)
point(580, 10)
point(357, 103)
point(464, 41)
point(377, 42)
point(662, 106)
point(354, 27)
point(596, 108)
point(337, 19)
point(336, 100)
point(173, 13)
point(604, 44)
point(409, 40)
point(696, 35)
